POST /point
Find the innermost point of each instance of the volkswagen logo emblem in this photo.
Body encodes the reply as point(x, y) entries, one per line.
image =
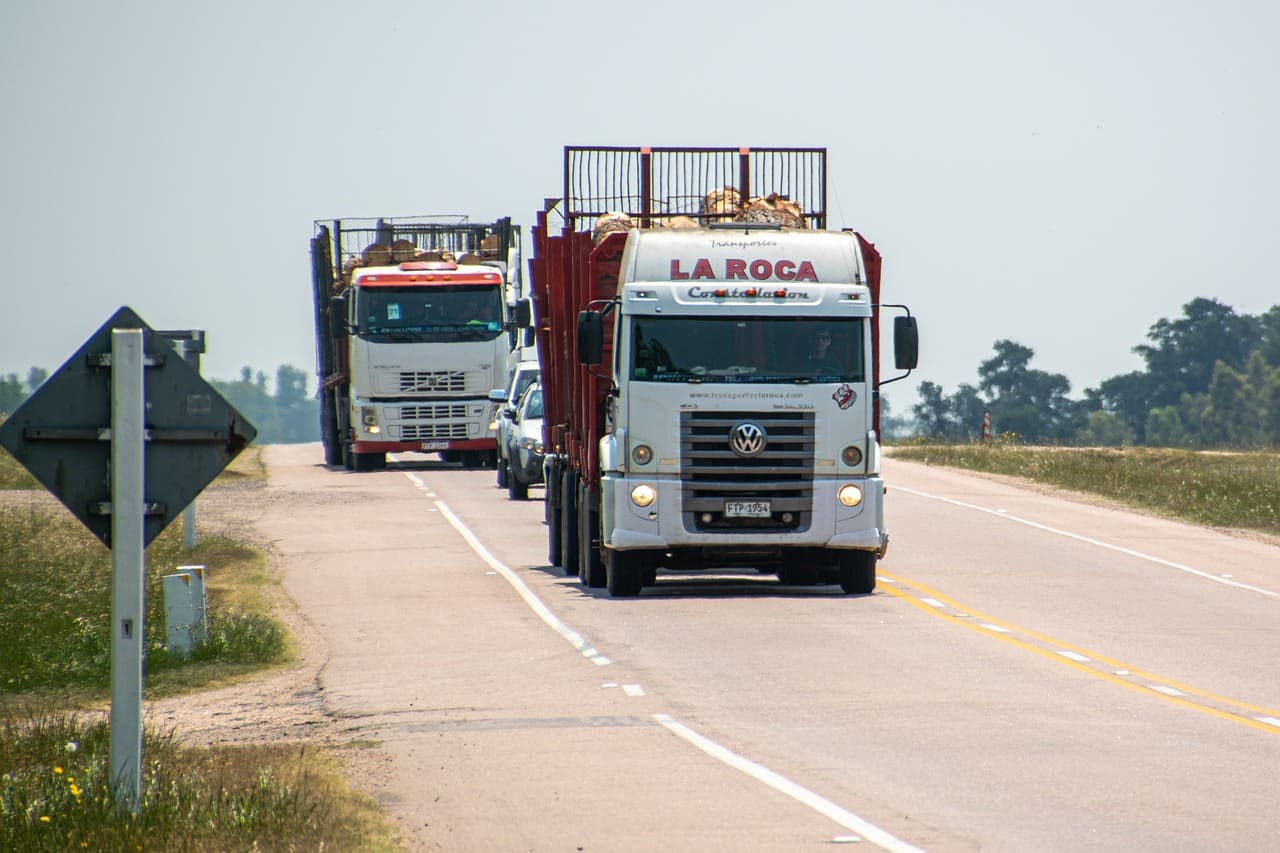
point(747, 439)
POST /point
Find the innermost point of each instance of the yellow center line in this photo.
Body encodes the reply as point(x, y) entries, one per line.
point(906, 590)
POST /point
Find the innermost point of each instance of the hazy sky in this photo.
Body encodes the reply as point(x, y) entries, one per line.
point(1062, 175)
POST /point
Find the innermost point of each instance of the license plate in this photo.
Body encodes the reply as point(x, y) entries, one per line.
point(435, 445)
point(747, 509)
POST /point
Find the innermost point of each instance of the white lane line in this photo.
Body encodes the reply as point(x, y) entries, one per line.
point(999, 629)
point(933, 602)
point(633, 689)
point(1226, 581)
point(535, 604)
point(822, 805)
point(1166, 690)
point(1075, 656)
point(1270, 721)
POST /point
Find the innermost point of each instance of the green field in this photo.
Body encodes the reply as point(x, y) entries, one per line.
point(1232, 490)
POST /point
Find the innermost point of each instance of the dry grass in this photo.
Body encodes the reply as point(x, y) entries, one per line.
point(1233, 490)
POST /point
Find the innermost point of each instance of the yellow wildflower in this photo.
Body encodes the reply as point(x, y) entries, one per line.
point(75, 790)
point(57, 770)
point(44, 818)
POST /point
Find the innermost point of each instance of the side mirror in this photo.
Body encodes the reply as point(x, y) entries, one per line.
point(498, 395)
point(906, 343)
point(524, 314)
point(590, 337)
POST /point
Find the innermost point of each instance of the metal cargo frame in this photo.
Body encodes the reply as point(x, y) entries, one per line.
point(454, 233)
point(650, 183)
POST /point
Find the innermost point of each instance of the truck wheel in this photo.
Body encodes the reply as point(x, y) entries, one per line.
point(368, 461)
point(624, 574)
point(794, 575)
point(590, 567)
point(502, 473)
point(551, 513)
point(516, 490)
point(857, 572)
point(569, 521)
point(329, 433)
point(348, 458)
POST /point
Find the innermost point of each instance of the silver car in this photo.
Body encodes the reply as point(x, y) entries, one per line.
point(524, 445)
point(522, 376)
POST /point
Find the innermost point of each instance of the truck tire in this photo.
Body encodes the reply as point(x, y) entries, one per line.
point(329, 433)
point(516, 490)
point(624, 574)
point(799, 575)
point(368, 461)
point(551, 513)
point(569, 521)
point(590, 566)
point(503, 473)
point(857, 572)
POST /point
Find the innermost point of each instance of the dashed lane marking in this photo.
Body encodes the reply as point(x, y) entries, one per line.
point(1216, 578)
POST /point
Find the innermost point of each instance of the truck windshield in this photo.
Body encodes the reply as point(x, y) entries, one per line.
point(746, 349)
point(438, 314)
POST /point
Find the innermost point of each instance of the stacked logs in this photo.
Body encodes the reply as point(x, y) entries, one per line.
point(723, 204)
point(381, 255)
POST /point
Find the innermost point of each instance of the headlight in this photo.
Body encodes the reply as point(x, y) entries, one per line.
point(642, 454)
point(851, 455)
point(369, 417)
point(849, 494)
point(643, 494)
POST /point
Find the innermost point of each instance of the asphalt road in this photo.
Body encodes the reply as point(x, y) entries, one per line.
point(1032, 674)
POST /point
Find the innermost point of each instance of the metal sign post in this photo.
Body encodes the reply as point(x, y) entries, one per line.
point(127, 563)
point(190, 344)
point(126, 456)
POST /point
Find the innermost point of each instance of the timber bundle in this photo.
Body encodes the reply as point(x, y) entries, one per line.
point(720, 205)
point(382, 255)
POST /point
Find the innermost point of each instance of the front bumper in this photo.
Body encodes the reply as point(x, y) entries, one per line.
point(662, 525)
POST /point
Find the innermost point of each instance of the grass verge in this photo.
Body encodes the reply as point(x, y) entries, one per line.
point(55, 606)
point(55, 794)
point(1236, 490)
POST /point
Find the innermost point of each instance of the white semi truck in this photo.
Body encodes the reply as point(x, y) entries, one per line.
point(710, 389)
point(413, 329)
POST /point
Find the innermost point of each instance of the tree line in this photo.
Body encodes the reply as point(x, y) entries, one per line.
point(285, 415)
point(1211, 379)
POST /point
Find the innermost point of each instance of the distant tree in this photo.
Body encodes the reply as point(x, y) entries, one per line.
point(1105, 430)
point(933, 415)
point(1184, 352)
point(12, 393)
point(1269, 342)
point(1241, 410)
point(36, 377)
point(1127, 396)
point(1164, 428)
point(297, 415)
point(1031, 403)
point(285, 417)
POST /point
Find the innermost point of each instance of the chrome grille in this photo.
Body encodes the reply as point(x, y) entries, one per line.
point(427, 381)
point(446, 411)
point(712, 473)
point(422, 432)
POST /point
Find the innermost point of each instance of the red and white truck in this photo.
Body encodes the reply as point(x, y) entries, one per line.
point(710, 370)
point(415, 322)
